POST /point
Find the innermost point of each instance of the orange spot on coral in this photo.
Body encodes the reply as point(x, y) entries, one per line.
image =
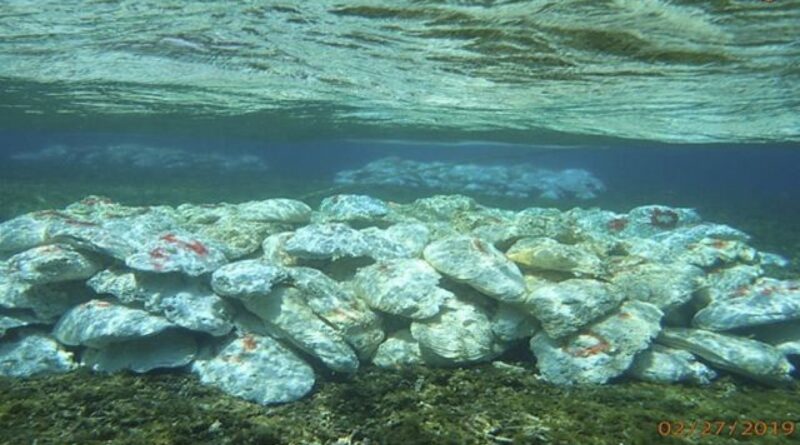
point(741, 291)
point(767, 291)
point(617, 224)
point(196, 247)
point(158, 253)
point(719, 244)
point(601, 346)
point(249, 343)
point(170, 238)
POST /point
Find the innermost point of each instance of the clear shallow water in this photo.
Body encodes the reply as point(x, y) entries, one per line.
point(750, 186)
point(674, 102)
point(691, 104)
point(680, 71)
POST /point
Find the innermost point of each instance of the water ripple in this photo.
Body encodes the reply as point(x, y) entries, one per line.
point(682, 71)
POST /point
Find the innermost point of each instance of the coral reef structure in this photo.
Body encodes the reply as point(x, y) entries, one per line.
point(514, 181)
point(261, 310)
point(142, 157)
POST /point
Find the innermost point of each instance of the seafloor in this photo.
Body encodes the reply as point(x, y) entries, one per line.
point(481, 405)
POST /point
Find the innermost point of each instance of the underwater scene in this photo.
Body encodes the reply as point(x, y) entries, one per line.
point(400, 222)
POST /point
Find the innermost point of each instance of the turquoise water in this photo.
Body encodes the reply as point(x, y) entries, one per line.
point(681, 103)
point(314, 88)
point(678, 71)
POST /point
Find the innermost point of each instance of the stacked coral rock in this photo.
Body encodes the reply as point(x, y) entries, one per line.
point(521, 180)
point(256, 297)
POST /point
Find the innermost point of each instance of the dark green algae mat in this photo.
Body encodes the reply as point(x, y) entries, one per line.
point(479, 405)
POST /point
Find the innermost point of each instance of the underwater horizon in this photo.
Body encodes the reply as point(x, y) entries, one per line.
point(421, 221)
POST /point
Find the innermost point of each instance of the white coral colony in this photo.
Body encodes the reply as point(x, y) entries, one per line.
point(248, 295)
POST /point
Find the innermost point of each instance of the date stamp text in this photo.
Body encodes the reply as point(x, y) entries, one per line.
point(731, 428)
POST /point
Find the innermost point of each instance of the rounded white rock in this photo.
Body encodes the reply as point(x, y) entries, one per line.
point(339, 306)
point(402, 287)
point(247, 279)
point(277, 210)
point(478, 264)
point(767, 301)
point(187, 303)
point(661, 364)
point(602, 351)
point(565, 307)
point(664, 285)
point(23, 232)
point(172, 348)
point(178, 251)
point(327, 241)
point(400, 350)
point(258, 369)
point(284, 310)
point(549, 254)
point(98, 323)
point(751, 358)
point(460, 334)
point(34, 353)
point(510, 323)
point(53, 263)
point(356, 208)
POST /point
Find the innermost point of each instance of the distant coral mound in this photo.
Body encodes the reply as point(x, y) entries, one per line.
point(514, 181)
point(142, 156)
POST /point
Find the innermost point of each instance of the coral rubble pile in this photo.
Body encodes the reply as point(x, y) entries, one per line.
point(514, 181)
point(142, 157)
point(256, 297)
